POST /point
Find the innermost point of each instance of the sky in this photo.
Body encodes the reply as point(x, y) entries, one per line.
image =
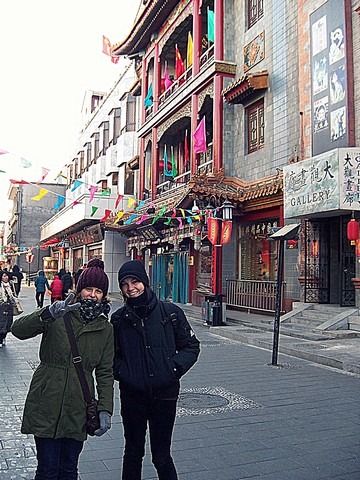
point(50, 54)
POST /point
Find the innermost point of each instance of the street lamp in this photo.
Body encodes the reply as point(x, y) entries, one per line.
point(280, 234)
point(219, 233)
point(29, 258)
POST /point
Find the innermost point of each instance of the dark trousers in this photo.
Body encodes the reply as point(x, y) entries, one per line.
point(57, 458)
point(39, 296)
point(137, 413)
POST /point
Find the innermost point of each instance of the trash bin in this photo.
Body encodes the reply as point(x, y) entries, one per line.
point(208, 308)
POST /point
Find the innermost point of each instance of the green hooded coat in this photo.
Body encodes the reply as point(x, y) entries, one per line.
point(55, 406)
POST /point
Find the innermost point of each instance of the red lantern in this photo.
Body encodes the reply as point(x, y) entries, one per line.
point(353, 231)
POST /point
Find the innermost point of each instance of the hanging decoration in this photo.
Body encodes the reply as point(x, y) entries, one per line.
point(40, 195)
point(93, 211)
point(106, 216)
point(93, 190)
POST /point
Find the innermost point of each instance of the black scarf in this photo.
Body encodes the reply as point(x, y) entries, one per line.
point(91, 309)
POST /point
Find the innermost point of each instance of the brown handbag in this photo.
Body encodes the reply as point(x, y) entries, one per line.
point(92, 414)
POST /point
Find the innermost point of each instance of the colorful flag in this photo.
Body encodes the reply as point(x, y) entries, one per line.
point(167, 172)
point(18, 182)
point(25, 163)
point(131, 202)
point(190, 49)
point(93, 211)
point(199, 137)
point(41, 194)
point(105, 193)
point(45, 171)
point(174, 170)
point(76, 185)
point(211, 29)
point(93, 189)
point(106, 216)
point(167, 81)
point(186, 149)
point(106, 48)
point(118, 200)
point(119, 216)
point(179, 64)
point(149, 97)
point(60, 200)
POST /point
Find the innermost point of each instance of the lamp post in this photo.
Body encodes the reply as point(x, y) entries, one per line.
point(219, 233)
point(280, 234)
point(29, 258)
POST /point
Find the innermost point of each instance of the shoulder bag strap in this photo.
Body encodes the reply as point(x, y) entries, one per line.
point(76, 358)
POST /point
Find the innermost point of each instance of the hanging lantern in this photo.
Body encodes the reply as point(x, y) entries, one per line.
point(353, 231)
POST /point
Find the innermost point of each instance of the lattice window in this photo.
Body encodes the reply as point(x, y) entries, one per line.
point(255, 126)
point(255, 11)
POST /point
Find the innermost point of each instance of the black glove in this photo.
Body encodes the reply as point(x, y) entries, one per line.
point(59, 308)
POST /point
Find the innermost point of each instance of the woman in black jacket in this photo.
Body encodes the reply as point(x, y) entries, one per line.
point(154, 347)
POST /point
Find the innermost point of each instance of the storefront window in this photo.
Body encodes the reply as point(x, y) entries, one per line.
point(257, 255)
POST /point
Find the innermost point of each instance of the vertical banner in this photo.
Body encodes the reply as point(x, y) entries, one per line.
point(213, 229)
point(226, 228)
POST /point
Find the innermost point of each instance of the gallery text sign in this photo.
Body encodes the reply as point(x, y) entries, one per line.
point(329, 182)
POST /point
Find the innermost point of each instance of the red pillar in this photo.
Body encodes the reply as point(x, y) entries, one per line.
point(194, 123)
point(218, 122)
point(144, 89)
point(157, 77)
point(219, 36)
point(196, 37)
point(141, 168)
point(154, 163)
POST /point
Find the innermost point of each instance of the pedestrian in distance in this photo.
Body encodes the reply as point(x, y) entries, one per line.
point(41, 285)
point(55, 409)
point(154, 347)
point(56, 288)
point(67, 280)
point(7, 300)
point(17, 276)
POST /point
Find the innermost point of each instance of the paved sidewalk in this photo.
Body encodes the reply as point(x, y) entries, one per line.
point(239, 417)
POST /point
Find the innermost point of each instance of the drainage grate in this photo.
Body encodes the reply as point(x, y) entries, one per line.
point(210, 400)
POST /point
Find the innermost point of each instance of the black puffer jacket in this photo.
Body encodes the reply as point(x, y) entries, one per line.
point(152, 352)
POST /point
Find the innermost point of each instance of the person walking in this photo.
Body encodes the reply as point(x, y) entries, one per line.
point(54, 409)
point(67, 280)
point(41, 284)
point(154, 347)
point(7, 300)
point(56, 288)
point(16, 277)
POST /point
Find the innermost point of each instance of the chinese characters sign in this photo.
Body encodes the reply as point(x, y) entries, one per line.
point(329, 182)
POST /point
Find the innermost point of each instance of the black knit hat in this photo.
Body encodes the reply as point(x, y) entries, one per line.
point(133, 269)
point(93, 276)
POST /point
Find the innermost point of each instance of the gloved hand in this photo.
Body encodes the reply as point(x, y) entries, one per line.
point(59, 308)
point(105, 423)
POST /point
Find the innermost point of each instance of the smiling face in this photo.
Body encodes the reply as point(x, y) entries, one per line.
point(132, 287)
point(93, 293)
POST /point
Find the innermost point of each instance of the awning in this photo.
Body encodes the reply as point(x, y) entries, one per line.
point(245, 87)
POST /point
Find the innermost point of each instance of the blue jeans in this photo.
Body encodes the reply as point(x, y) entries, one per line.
point(137, 414)
point(57, 458)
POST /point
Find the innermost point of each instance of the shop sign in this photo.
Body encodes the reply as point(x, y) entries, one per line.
point(329, 182)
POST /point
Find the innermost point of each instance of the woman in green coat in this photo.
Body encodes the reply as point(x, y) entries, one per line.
point(55, 410)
